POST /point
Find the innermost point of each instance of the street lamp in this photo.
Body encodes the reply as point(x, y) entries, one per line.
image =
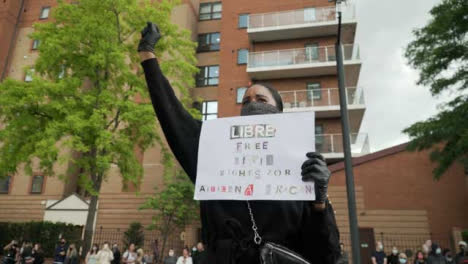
point(353, 225)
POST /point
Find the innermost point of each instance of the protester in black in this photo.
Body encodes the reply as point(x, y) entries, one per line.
point(26, 253)
point(305, 227)
point(60, 252)
point(38, 254)
point(117, 254)
point(393, 257)
point(10, 253)
point(436, 257)
point(199, 255)
point(462, 253)
point(379, 256)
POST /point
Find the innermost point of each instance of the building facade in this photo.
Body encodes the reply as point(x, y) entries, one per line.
point(288, 44)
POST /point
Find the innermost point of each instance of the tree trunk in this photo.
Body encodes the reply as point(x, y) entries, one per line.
point(89, 228)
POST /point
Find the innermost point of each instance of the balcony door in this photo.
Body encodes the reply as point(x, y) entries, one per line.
point(309, 14)
point(311, 52)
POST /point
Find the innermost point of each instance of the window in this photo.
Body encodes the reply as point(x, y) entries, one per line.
point(208, 76)
point(36, 43)
point(210, 110)
point(45, 12)
point(210, 11)
point(208, 42)
point(243, 20)
point(240, 94)
point(311, 52)
point(242, 55)
point(29, 75)
point(5, 184)
point(309, 14)
point(313, 91)
point(37, 184)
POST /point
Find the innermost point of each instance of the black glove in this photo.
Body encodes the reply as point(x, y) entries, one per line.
point(149, 37)
point(315, 169)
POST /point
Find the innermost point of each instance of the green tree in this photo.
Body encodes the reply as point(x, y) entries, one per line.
point(134, 235)
point(175, 206)
point(440, 53)
point(88, 104)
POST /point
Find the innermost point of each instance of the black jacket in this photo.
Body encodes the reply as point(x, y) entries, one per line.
point(226, 226)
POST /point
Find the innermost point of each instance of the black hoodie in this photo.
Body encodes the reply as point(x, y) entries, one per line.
point(226, 225)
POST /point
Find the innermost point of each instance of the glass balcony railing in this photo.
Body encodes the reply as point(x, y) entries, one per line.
point(320, 97)
point(333, 143)
point(298, 17)
point(302, 56)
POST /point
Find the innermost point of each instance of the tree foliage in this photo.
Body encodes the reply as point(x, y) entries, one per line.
point(174, 204)
point(440, 53)
point(134, 235)
point(88, 104)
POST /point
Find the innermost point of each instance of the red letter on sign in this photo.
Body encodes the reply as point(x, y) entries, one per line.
point(249, 190)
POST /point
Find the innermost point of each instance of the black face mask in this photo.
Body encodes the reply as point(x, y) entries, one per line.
point(257, 108)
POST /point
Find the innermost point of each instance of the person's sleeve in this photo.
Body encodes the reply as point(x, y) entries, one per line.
point(320, 238)
point(182, 131)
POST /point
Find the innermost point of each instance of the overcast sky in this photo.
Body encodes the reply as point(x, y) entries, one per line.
point(393, 99)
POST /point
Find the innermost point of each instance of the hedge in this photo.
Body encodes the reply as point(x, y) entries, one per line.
point(45, 233)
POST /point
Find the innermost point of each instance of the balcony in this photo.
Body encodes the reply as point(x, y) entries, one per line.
point(302, 23)
point(304, 62)
point(331, 145)
point(325, 102)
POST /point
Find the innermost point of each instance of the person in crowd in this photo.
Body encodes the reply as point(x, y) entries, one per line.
point(72, 255)
point(435, 257)
point(185, 258)
point(10, 253)
point(140, 256)
point(117, 254)
point(199, 256)
point(426, 247)
point(171, 258)
point(91, 257)
point(38, 254)
point(393, 257)
point(130, 256)
point(105, 255)
point(419, 258)
point(308, 228)
point(155, 251)
point(463, 250)
point(379, 256)
point(26, 253)
point(449, 259)
point(60, 251)
point(343, 259)
point(402, 258)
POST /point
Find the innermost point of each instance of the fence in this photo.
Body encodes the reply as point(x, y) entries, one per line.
point(406, 243)
point(116, 236)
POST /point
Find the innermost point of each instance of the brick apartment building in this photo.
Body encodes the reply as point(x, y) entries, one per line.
point(289, 44)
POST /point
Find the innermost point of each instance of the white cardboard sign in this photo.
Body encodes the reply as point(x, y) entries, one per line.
point(255, 157)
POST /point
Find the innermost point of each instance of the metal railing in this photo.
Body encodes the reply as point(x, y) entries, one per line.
point(298, 17)
point(116, 236)
point(333, 143)
point(308, 55)
point(320, 97)
point(406, 243)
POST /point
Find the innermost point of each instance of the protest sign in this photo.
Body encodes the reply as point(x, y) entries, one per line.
point(255, 157)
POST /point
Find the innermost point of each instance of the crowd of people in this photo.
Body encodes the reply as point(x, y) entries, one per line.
point(430, 253)
point(69, 254)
